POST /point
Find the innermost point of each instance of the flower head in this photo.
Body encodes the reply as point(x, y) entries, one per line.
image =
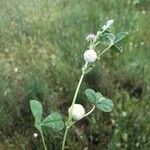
point(77, 111)
point(90, 37)
point(90, 55)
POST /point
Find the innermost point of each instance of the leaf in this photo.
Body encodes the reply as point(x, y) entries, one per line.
point(98, 95)
point(36, 109)
point(91, 95)
point(108, 24)
point(38, 126)
point(54, 121)
point(99, 101)
point(120, 37)
point(108, 38)
point(119, 41)
point(105, 105)
point(117, 48)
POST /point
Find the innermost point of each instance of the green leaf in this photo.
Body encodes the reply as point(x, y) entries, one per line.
point(36, 109)
point(119, 41)
point(117, 47)
point(54, 121)
point(108, 24)
point(108, 38)
point(98, 96)
point(38, 126)
point(99, 101)
point(91, 95)
point(120, 37)
point(105, 105)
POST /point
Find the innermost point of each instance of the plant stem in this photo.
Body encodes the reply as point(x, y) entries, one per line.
point(78, 86)
point(64, 139)
point(43, 140)
point(73, 102)
point(90, 111)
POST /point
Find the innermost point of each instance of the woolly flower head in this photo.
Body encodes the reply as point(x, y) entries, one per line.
point(90, 55)
point(77, 111)
point(90, 37)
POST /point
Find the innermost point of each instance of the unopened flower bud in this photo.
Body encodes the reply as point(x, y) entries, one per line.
point(90, 55)
point(77, 111)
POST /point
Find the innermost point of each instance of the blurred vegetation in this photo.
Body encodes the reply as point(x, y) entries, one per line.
point(41, 53)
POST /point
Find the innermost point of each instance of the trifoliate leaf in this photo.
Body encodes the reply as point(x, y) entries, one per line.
point(105, 105)
point(54, 121)
point(119, 39)
point(99, 101)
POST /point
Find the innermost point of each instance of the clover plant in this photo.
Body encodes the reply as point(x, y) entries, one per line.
point(98, 101)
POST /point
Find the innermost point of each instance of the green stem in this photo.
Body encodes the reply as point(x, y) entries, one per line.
point(79, 84)
point(77, 89)
point(89, 111)
point(43, 140)
point(64, 139)
point(73, 102)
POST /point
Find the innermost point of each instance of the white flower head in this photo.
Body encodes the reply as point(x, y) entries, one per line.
point(90, 55)
point(77, 111)
point(35, 135)
point(90, 37)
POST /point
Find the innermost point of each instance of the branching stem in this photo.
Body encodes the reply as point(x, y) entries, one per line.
point(69, 122)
